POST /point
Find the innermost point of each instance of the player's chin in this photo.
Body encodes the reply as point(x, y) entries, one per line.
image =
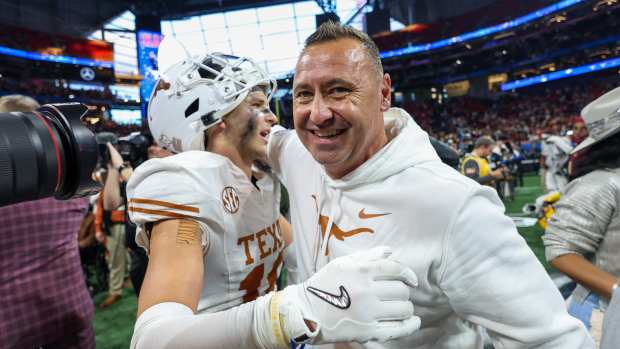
point(260, 152)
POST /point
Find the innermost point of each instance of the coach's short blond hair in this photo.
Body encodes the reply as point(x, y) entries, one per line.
point(332, 31)
point(11, 103)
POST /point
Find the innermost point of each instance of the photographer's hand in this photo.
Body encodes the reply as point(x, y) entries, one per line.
point(498, 174)
point(116, 160)
point(112, 199)
point(117, 164)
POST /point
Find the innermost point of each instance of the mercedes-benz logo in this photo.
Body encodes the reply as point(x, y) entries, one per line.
point(87, 74)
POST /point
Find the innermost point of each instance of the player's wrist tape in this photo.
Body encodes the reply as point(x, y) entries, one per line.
point(269, 325)
point(292, 306)
point(276, 321)
point(279, 321)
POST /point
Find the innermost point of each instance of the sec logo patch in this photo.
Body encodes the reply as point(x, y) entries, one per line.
point(230, 200)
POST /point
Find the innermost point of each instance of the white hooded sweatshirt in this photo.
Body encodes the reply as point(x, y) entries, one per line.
point(473, 266)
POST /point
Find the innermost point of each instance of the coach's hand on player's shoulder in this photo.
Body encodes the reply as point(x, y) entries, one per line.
point(356, 298)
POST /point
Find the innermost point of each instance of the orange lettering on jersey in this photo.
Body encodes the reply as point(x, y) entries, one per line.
point(251, 283)
point(278, 241)
point(272, 277)
point(262, 243)
point(246, 247)
point(276, 234)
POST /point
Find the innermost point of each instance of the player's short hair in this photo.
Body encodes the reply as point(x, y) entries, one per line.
point(332, 31)
point(12, 103)
point(483, 141)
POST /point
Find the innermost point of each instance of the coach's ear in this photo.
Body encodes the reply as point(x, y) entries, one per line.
point(386, 92)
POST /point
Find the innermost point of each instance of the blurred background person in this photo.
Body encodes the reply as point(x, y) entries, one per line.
point(579, 131)
point(44, 301)
point(582, 238)
point(476, 164)
point(110, 225)
point(554, 157)
point(132, 151)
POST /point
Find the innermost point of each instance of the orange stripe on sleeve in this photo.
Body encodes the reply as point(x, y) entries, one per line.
point(165, 204)
point(158, 212)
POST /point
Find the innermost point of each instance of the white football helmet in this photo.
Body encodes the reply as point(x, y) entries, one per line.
point(195, 93)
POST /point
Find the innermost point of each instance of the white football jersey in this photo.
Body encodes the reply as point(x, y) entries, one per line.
point(241, 237)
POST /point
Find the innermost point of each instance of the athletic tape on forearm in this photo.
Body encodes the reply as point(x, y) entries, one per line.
point(267, 329)
point(174, 325)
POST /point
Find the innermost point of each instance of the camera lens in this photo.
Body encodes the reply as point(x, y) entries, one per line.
point(46, 152)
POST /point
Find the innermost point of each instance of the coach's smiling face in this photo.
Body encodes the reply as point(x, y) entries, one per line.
point(338, 102)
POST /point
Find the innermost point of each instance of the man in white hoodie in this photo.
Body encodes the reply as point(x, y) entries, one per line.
point(357, 181)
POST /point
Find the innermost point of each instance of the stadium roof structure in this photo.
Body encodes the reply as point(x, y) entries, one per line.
point(78, 17)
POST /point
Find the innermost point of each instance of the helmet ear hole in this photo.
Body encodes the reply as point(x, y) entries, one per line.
point(192, 108)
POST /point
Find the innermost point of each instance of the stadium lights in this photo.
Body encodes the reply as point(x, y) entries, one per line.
point(481, 32)
point(566, 73)
point(603, 3)
point(51, 58)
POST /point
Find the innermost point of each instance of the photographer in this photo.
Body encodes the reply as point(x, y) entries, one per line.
point(476, 166)
point(134, 150)
point(44, 301)
point(110, 224)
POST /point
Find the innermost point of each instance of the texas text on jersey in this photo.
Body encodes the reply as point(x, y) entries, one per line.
point(241, 236)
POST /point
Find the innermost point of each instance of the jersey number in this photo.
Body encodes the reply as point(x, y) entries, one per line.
point(252, 282)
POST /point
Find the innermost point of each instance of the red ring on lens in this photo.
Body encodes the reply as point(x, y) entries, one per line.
point(58, 164)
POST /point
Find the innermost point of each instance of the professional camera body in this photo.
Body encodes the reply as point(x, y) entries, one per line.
point(47, 152)
point(133, 148)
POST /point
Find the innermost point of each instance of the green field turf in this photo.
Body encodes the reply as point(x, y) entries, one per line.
point(527, 194)
point(113, 326)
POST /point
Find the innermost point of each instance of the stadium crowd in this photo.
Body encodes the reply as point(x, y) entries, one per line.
point(54, 91)
point(520, 117)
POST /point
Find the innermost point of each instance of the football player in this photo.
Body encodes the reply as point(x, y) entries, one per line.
point(209, 219)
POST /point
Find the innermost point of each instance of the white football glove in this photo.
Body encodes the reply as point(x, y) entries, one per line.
point(357, 298)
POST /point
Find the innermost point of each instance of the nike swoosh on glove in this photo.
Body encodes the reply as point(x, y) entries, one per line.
point(357, 298)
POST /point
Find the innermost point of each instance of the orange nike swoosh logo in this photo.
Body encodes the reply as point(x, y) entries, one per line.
point(364, 215)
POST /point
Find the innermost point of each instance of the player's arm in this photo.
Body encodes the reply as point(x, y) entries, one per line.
point(175, 245)
point(171, 291)
point(360, 297)
point(286, 229)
